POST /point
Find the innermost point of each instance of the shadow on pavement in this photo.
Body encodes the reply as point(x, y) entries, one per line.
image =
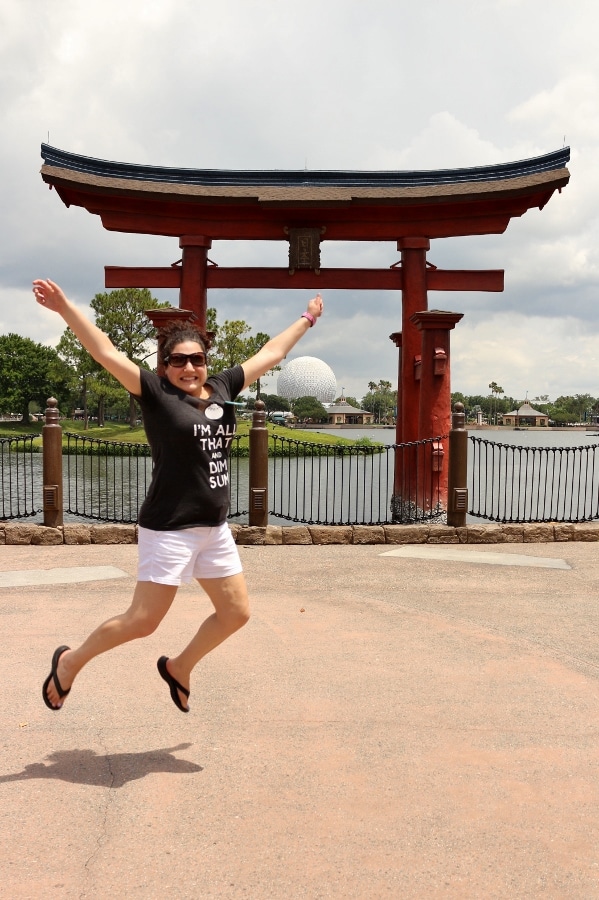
point(111, 770)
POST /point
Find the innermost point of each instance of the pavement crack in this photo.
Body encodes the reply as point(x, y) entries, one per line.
point(110, 795)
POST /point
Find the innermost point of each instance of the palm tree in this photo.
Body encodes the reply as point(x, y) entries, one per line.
point(496, 390)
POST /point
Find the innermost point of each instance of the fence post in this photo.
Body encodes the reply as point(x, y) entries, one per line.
point(52, 466)
point(259, 467)
point(457, 499)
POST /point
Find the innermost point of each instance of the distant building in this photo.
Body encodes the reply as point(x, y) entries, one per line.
point(342, 413)
point(525, 416)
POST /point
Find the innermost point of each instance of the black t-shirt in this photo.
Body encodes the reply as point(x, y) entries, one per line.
point(190, 440)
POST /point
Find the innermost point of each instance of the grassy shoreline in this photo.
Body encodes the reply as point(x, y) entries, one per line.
point(120, 432)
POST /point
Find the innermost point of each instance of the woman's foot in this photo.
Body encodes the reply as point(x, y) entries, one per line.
point(58, 683)
point(179, 693)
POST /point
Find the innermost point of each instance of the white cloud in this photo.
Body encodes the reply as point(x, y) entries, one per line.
point(525, 354)
point(568, 108)
point(262, 84)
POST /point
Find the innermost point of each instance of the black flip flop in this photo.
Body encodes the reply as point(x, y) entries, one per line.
point(173, 684)
point(54, 677)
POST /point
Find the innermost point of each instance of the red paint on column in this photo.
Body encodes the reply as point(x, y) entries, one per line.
point(434, 418)
point(193, 293)
point(414, 299)
point(396, 337)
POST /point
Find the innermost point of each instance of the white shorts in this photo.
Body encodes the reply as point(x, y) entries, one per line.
point(176, 557)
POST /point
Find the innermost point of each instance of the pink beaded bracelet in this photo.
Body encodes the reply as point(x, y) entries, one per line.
point(309, 317)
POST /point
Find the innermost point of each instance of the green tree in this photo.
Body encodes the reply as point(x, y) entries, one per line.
point(211, 323)
point(230, 345)
point(571, 409)
point(273, 402)
point(496, 391)
point(31, 373)
point(309, 408)
point(121, 314)
point(82, 364)
point(253, 345)
point(234, 344)
point(107, 391)
point(380, 399)
point(583, 404)
point(93, 382)
point(457, 397)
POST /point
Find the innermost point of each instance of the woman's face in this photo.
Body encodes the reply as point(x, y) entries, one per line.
point(188, 375)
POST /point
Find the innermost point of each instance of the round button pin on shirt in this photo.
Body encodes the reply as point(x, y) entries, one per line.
point(213, 411)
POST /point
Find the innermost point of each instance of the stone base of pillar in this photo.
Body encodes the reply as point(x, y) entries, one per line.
point(406, 512)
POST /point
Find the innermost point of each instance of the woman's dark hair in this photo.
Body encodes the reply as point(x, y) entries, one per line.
point(177, 332)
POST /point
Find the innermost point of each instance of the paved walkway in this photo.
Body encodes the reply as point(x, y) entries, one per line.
point(403, 724)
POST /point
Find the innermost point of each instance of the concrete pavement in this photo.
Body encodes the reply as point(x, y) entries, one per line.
point(405, 726)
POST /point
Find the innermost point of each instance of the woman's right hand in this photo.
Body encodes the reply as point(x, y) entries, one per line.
point(49, 294)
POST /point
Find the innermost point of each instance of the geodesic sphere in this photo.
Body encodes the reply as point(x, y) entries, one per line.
point(307, 376)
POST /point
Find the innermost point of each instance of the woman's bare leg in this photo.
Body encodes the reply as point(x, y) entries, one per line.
point(231, 611)
point(149, 605)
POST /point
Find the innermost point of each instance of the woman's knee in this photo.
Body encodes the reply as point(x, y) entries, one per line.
point(243, 615)
point(141, 625)
point(151, 602)
point(230, 599)
point(235, 617)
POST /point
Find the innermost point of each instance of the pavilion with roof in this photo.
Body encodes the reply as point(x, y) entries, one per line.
point(343, 413)
point(525, 416)
point(301, 209)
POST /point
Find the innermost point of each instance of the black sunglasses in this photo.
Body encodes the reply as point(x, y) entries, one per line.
point(178, 360)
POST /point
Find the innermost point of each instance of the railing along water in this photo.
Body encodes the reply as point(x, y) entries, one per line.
point(19, 462)
point(238, 480)
point(108, 480)
point(324, 484)
point(105, 480)
point(534, 484)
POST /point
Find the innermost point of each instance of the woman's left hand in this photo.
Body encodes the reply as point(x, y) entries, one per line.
point(315, 306)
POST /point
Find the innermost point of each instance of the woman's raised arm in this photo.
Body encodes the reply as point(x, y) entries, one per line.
point(98, 344)
point(278, 347)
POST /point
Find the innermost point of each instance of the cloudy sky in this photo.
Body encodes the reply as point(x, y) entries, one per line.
point(321, 84)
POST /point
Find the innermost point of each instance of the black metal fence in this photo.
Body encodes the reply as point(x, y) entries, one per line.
point(320, 483)
point(308, 483)
point(105, 480)
point(533, 484)
point(323, 484)
point(239, 480)
point(20, 467)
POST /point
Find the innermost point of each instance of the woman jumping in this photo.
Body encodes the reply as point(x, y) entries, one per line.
point(189, 419)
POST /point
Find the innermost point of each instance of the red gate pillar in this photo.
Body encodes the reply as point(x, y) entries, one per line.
point(414, 299)
point(435, 402)
point(396, 338)
point(193, 294)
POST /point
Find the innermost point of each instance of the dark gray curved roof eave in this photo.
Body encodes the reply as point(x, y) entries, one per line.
point(62, 159)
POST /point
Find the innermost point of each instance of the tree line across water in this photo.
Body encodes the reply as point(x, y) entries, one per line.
point(565, 410)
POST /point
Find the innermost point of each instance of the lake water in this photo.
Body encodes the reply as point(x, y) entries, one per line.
point(107, 485)
point(525, 475)
point(562, 437)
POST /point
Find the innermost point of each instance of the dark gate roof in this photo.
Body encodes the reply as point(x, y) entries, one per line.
point(61, 159)
point(345, 205)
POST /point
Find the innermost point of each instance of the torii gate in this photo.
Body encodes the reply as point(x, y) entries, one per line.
point(304, 208)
